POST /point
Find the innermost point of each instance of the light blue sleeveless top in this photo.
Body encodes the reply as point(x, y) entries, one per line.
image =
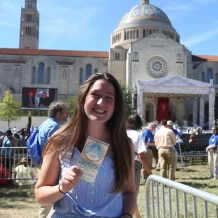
point(90, 200)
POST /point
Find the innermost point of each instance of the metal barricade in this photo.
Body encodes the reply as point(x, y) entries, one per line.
point(8, 165)
point(159, 201)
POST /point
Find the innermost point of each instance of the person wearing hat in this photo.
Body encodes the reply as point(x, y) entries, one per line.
point(176, 148)
point(165, 140)
point(23, 173)
point(8, 141)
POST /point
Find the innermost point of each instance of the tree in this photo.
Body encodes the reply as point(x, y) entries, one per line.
point(128, 98)
point(70, 102)
point(9, 108)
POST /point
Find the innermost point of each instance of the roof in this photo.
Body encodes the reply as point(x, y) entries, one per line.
point(205, 58)
point(68, 53)
point(143, 12)
point(177, 81)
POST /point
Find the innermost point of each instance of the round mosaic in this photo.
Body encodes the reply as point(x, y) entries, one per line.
point(157, 66)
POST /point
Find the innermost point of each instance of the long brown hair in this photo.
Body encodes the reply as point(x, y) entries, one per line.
point(73, 133)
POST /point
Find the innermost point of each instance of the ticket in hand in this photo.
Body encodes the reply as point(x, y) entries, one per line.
point(91, 158)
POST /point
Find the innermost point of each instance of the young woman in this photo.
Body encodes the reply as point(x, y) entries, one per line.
point(133, 126)
point(99, 113)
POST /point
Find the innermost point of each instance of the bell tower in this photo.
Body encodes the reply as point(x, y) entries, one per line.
point(29, 25)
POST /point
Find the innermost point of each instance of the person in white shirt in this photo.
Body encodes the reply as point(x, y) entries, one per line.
point(133, 126)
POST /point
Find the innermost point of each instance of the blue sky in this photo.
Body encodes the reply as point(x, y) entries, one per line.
point(88, 24)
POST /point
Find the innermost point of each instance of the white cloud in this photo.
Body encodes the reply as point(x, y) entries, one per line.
point(184, 7)
point(74, 21)
point(177, 12)
point(9, 13)
point(200, 37)
point(206, 1)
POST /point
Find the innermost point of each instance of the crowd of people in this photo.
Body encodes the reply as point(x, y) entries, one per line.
point(133, 153)
point(10, 141)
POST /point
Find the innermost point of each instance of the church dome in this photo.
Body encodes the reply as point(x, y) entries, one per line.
point(140, 22)
point(142, 13)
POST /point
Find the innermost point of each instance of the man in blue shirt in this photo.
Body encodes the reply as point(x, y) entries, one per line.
point(211, 149)
point(57, 114)
point(179, 130)
point(149, 142)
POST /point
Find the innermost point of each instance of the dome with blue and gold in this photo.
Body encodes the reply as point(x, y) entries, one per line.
point(144, 12)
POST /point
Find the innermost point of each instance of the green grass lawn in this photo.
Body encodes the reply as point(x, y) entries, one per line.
point(19, 202)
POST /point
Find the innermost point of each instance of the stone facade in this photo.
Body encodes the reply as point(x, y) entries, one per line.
point(144, 47)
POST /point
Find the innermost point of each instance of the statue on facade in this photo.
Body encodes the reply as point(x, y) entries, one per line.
point(185, 122)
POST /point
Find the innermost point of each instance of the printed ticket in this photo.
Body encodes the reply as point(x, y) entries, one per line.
point(91, 158)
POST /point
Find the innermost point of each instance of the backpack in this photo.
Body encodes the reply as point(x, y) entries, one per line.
point(33, 148)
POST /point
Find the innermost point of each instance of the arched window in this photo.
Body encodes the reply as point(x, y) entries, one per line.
point(217, 78)
point(81, 76)
point(28, 30)
point(33, 79)
point(96, 70)
point(203, 77)
point(117, 56)
point(48, 79)
point(209, 75)
point(88, 70)
point(41, 73)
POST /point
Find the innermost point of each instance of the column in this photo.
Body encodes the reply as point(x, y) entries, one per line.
point(194, 111)
point(211, 107)
point(139, 101)
point(201, 111)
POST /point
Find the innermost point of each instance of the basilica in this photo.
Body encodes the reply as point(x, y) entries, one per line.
point(145, 53)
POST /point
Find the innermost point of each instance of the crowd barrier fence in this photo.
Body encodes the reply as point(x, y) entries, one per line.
point(10, 163)
point(187, 201)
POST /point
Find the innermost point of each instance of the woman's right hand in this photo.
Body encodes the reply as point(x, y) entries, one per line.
point(70, 178)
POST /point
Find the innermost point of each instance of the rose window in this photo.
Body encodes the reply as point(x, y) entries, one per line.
point(157, 66)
